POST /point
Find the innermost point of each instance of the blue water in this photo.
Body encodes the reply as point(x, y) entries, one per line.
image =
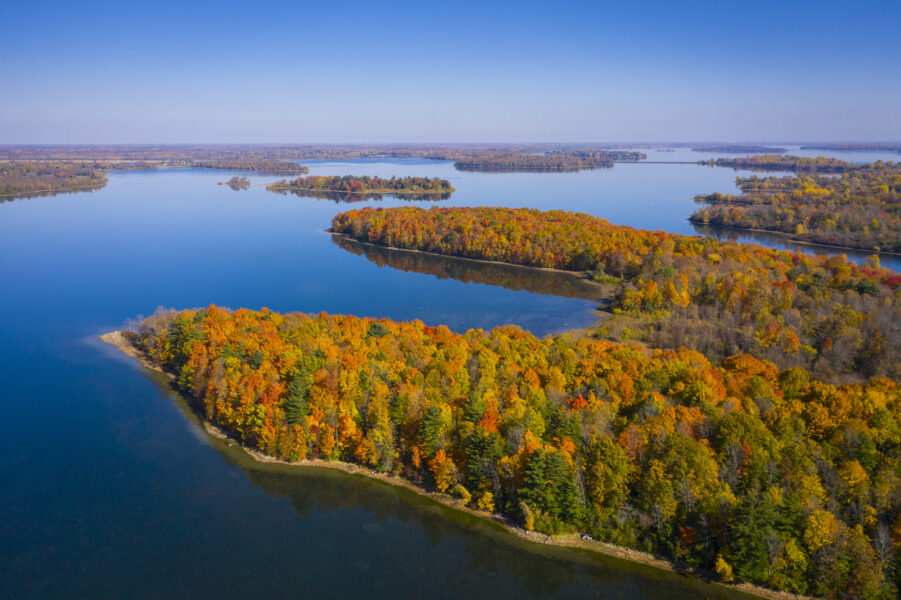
point(108, 489)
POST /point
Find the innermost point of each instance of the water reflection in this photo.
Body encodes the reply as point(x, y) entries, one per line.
point(475, 553)
point(45, 193)
point(511, 277)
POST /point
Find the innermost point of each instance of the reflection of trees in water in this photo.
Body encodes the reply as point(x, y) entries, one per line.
point(545, 570)
point(40, 194)
point(363, 196)
point(549, 283)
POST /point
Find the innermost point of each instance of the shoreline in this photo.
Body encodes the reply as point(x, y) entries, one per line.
point(573, 540)
point(55, 191)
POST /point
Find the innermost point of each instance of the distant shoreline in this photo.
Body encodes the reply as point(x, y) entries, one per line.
point(117, 339)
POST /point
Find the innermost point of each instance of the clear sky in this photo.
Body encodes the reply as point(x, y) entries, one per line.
point(335, 71)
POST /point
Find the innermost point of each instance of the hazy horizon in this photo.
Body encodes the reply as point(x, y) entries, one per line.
point(483, 72)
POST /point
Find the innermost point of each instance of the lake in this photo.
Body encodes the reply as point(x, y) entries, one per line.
point(108, 487)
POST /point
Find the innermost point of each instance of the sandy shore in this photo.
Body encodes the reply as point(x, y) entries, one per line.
point(120, 341)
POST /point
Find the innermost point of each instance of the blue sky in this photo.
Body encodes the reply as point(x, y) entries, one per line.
point(92, 72)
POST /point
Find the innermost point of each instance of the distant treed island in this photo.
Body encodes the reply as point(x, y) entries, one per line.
point(570, 160)
point(737, 468)
point(357, 188)
point(861, 208)
point(780, 162)
point(826, 314)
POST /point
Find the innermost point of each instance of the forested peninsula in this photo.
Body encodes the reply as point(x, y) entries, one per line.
point(570, 160)
point(356, 188)
point(825, 314)
point(737, 468)
point(31, 178)
point(859, 209)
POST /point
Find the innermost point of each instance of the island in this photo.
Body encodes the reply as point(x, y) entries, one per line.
point(562, 161)
point(824, 313)
point(737, 469)
point(860, 209)
point(780, 162)
point(364, 187)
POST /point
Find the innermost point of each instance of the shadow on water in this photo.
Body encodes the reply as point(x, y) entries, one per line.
point(511, 277)
point(487, 556)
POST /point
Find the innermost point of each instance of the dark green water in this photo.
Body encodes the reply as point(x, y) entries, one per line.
point(109, 490)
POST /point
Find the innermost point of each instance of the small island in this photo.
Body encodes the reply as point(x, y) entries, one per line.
point(860, 209)
point(237, 183)
point(555, 161)
point(364, 187)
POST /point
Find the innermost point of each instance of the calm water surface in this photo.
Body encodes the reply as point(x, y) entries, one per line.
point(108, 489)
